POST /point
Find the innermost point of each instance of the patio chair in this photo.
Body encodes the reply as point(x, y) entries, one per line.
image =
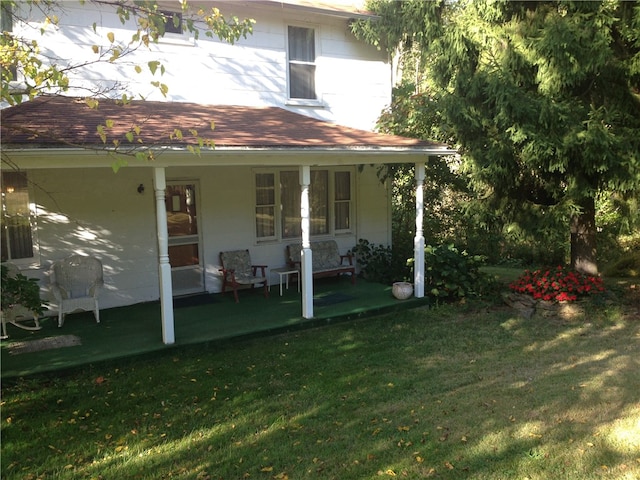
point(75, 282)
point(237, 270)
point(17, 314)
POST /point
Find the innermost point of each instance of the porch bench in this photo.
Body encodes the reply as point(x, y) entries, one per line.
point(326, 259)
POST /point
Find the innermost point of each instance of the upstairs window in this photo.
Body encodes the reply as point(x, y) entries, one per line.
point(302, 63)
point(17, 240)
point(173, 22)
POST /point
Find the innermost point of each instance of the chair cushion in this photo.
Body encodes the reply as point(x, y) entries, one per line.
point(325, 255)
point(239, 261)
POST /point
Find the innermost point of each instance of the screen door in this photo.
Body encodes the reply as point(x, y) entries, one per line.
point(184, 238)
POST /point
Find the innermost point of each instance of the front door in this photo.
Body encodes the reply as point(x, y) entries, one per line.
point(184, 238)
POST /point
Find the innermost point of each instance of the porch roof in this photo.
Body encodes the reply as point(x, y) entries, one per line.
point(63, 122)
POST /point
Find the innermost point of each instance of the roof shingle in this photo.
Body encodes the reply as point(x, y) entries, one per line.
point(55, 121)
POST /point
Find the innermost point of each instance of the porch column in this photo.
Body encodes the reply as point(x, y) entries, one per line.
point(306, 258)
point(418, 242)
point(164, 267)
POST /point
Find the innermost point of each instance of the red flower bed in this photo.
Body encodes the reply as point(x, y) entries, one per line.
point(558, 284)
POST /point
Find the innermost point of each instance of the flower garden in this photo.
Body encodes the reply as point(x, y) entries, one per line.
point(559, 284)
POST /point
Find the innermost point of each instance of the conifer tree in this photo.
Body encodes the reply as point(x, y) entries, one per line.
point(542, 98)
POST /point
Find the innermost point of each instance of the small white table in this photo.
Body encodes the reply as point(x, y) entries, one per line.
point(284, 273)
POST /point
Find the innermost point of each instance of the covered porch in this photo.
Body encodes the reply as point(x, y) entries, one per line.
point(212, 319)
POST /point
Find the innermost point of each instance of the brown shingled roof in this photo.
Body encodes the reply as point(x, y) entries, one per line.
point(64, 121)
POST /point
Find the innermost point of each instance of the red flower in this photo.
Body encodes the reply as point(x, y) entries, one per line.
point(562, 285)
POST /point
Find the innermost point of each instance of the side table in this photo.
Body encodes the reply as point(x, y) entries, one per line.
point(284, 273)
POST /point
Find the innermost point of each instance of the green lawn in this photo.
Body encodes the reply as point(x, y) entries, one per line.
point(469, 391)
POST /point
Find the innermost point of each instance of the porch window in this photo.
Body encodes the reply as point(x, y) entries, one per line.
point(265, 205)
point(319, 202)
point(290, 201)
point(277, 198)
point(17, 238)
point(302, 66)
point(342, 202)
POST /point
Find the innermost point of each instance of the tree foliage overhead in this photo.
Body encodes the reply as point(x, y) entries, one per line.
point(543, 98)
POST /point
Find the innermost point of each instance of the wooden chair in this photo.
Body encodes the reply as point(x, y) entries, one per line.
point(17, 314)
point(75, 283)
point(237, 270)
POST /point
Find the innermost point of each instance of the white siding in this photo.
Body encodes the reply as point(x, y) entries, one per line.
point(100, 213)
point(353, 79)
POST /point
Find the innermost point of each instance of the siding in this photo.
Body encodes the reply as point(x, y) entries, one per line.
point(102, 214)
point(353, 79)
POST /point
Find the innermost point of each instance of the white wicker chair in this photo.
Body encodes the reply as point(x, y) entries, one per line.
point(75, 283)
point(17, 314)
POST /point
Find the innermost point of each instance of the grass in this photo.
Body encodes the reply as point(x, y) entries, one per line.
point(468, 391)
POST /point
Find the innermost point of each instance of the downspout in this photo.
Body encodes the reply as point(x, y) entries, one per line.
point(306, 255)
point(164, 267)
point(418, 243)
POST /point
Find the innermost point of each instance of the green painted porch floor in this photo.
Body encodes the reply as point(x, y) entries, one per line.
point(126, 332)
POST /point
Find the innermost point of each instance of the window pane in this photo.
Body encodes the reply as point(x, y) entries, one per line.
point(302, 83)
point(342, 215)
point(343, 185)
point(290, 202)
point(180, 201)
point(17, 241)
point(173, 21)
point(265, 222)
point(265, 189)
point(302, 57)
point(319, 198)
point(265, 205)
point(302, 44)
point(183, 255)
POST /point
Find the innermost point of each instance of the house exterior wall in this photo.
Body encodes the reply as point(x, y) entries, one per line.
point(97, 212)
point(353, 80)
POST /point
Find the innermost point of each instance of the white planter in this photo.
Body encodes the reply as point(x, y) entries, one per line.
point(402, 290)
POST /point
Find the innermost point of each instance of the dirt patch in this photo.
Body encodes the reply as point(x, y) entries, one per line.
point(41, 344)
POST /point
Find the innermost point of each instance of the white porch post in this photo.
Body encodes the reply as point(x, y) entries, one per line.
point(306, 258)
point(164, 267)
point(418, 242)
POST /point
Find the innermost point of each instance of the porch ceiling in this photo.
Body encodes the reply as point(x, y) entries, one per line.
point(68, 129)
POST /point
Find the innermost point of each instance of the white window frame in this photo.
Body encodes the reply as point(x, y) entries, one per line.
point(332, 231)
point(295, 101)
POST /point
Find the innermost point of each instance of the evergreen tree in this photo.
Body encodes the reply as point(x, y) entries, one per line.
point(543, 98)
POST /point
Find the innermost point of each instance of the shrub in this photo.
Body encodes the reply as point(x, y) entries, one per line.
point(559, 284)
point(380, 263)
point(451, 274)
point(20, 290)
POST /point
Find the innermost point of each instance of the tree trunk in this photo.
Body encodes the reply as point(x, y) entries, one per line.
point(583, 239)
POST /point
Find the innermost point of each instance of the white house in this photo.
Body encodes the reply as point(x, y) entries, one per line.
point(295, 158)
